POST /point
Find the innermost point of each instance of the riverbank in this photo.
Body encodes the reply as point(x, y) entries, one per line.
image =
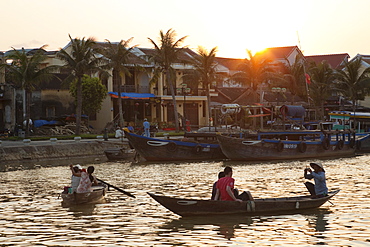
point(18, 155)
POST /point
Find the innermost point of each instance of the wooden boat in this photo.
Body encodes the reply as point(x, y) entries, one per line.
point(285, 145)
point(190, 148)
point(192, 207)
point(114, 154)
point(70, 199)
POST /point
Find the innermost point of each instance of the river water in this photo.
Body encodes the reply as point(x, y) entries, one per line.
point(31, 213)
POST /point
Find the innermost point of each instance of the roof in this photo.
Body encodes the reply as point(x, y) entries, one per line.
point(186, 55)
point(230, 63)
point(132, 58)
point(236, 95)
point(277, 53)
point(334, 60)
point(365, 58)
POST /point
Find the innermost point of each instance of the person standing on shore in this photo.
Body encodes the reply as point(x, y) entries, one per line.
point(146, 125)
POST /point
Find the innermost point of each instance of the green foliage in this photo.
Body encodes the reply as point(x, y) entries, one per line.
point(26, 72)
point(165, 54)
point(93, 94)
point(117, 58)
point(354, 80)
point(80, 60)
point(254, 71)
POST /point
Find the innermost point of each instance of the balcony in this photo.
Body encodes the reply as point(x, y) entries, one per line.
point(135, 89)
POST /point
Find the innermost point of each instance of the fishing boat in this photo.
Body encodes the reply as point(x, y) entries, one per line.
point(194, 146)
point(114, 154)
point(287, 145)
point(192, 207)
point(97, 195)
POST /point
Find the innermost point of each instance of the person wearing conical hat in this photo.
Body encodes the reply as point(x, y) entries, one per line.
point(318, 189)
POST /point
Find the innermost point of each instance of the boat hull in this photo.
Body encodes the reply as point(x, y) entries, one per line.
point(115, 154)
point(96, 196)
point(265, 150)
point(153, 149)
point(290, 205)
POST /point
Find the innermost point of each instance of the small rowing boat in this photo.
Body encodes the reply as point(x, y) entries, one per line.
point(97, 195)
point(192, 207)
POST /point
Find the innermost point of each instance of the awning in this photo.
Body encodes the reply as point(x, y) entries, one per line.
point(132, 95)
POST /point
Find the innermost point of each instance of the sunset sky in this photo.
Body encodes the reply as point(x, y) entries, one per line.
point(322, 26)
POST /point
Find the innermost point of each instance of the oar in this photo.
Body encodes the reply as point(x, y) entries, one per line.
point(114, 187)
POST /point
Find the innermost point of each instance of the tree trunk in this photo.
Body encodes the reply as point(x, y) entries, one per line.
point(169, 81)
point(209, 114)
point(121, 121)
point(28, 112)
point(79, 105)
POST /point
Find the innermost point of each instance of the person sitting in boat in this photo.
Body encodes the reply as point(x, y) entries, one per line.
point(87, 180)
point(225, 187)
point(76, 176)
point(214, 189)
point(130, 128)
point(119, 133)
point(318, 189)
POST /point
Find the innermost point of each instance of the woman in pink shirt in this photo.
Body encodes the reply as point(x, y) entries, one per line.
point(87, 180)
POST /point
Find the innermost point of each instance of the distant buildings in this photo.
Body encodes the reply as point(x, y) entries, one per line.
point(142, 99)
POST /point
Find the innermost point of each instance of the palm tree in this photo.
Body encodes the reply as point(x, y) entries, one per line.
point(26, 73)
point(117, 56)
point(166, 53)
point(354, 81)
point(81, 60)
point(254, 71)
point(204, 72)
point(294, 77)
point(321, 86)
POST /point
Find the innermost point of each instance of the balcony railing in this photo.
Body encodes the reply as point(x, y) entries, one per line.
point(135, 89)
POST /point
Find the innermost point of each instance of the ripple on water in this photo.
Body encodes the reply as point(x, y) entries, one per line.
point(31, 213)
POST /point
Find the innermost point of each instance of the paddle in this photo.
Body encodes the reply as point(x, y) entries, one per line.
point(114, 187)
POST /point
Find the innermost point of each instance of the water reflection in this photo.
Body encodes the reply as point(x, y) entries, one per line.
point(318, 219)
point(31, 213)
point(226, 224)
point(82, 210)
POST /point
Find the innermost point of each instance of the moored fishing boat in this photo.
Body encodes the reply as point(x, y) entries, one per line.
point(97, 195)
point(191, 207)
point(286, 145)
point(190, 148)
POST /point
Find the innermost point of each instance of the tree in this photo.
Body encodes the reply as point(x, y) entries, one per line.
point(294, 76)
point(93, 94)
point(321, 86)
point(166, 53)
point(254, 71)
point(354, 81)
point(204, 72)
point(26, 72)
point(80, 60)
point(117, 56)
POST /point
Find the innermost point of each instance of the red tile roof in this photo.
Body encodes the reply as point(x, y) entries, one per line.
point(334, 60)
point(230, 63)
point(276, 53)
